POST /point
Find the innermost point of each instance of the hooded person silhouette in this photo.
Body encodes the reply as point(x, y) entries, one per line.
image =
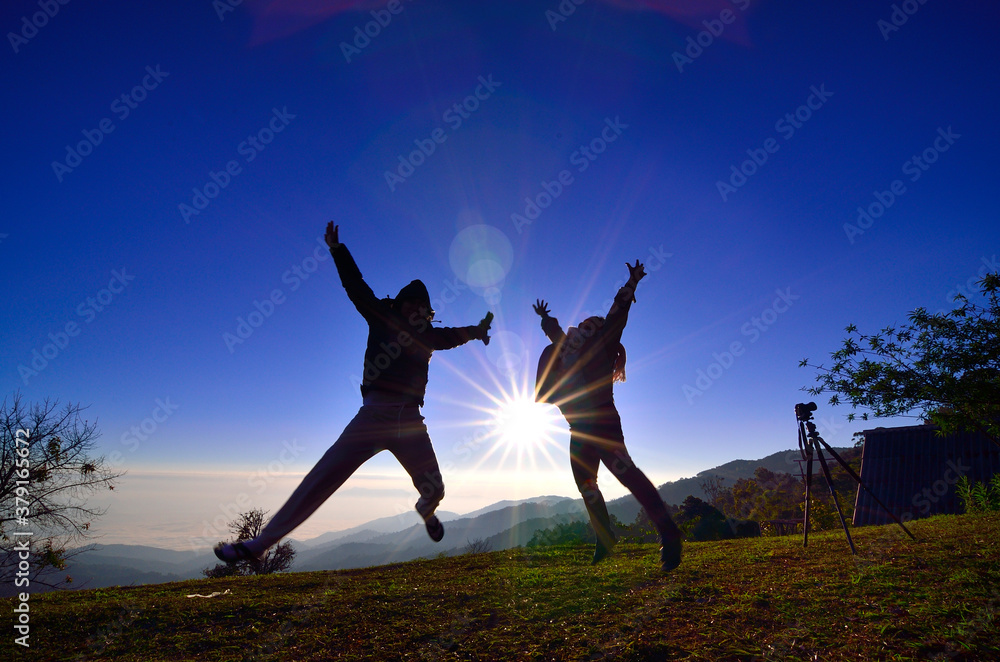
point(400, 342)
point(577, 373)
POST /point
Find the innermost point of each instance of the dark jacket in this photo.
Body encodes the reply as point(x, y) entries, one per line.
point(579, 379)
point(399, 350)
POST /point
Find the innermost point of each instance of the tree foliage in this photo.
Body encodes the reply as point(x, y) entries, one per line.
point(701, 521)
point(641, 530)
point(576, 532)
point(247, 526)
point(945, 366)
point(45, 484)
point(771, 495)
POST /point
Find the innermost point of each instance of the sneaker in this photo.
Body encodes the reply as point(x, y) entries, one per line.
point(234, 553)
point(434, 528)
point(670, 552)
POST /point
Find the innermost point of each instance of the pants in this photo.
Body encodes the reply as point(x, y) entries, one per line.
point(397, 429)
point(597, 437)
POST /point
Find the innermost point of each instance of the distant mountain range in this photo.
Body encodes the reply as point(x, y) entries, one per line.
point(502, 525)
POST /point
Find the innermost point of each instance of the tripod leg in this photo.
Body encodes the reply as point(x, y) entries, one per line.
point(857, 479)
point(836, 502)
point(809, 476)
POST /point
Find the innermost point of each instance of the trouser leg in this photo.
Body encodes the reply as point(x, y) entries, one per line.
point(585, 460)
point(621, 465)
point(608, 438)
point(412, 447)
point(358, 443)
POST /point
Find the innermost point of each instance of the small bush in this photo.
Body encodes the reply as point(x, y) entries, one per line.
point(478, 546)
point(976, 497)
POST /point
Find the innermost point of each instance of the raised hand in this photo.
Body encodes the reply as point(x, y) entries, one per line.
point(636, 272)
point(541, 308)
point(332, 235)
point(484, 327)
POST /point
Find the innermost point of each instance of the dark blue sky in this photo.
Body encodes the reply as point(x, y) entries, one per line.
point(643, 140)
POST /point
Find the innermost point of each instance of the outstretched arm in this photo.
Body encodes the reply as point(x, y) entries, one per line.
point(550, 325)
point(635, 274)
point(332, 236)
point(614, 323)
point(350, 276)
point(449, 337)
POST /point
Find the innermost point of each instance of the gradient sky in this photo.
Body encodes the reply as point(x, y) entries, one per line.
point(632, 117)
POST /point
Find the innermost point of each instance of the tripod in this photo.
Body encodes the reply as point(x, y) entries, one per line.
point(809, 443)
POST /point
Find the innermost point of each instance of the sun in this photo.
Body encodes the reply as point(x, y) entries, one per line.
point(522, 423)
point(511, 431)
point(524, 429)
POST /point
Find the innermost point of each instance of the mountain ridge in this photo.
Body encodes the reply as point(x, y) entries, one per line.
point(501, 525)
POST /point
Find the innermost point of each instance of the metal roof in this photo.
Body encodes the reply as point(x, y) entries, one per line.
point(913, 471)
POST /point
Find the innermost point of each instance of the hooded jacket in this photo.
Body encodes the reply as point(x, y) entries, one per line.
point(576, 374)
point(399, 350)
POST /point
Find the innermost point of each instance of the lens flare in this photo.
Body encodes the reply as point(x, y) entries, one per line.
point(523, 432)
point(511, 428)
point(523, 424)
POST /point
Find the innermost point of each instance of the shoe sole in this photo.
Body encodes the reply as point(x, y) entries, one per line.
point(434, 528)
point(602, 552)
point(241, 551)
point(670, 558)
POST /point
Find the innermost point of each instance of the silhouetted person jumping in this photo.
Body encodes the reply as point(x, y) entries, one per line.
point(400, 342)
point(576, 373)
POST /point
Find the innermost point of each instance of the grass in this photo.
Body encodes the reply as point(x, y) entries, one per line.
point(752, 599)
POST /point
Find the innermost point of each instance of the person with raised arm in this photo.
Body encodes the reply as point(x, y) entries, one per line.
point(400, 342)
point(576, 373)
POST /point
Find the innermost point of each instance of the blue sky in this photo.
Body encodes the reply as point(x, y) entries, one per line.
point(728, 145)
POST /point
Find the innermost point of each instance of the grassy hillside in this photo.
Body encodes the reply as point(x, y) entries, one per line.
point(751, 599)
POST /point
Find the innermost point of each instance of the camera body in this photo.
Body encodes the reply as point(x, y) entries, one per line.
point(803, 411)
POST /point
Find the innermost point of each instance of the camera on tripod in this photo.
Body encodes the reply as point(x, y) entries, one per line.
point(811, 443)
point(803, 411)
